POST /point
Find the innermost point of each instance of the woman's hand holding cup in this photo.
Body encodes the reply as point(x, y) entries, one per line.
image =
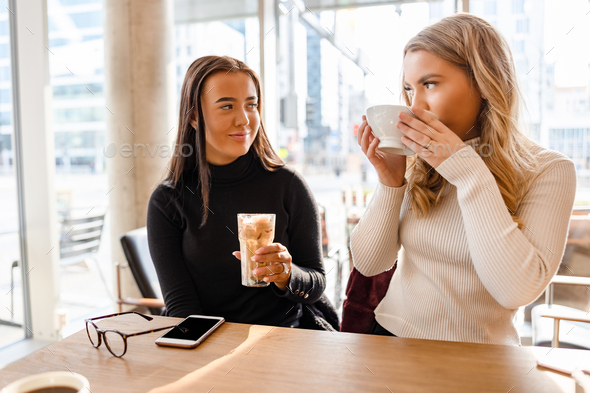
point(391, 168)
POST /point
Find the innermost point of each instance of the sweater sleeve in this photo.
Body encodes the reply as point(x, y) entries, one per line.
point(307, 275)
point(514, 265)
point(374, 242)
point(165, 228)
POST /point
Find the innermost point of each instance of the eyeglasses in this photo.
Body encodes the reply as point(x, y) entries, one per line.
point(115, 341)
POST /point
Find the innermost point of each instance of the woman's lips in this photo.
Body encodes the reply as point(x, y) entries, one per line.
point(240, 136)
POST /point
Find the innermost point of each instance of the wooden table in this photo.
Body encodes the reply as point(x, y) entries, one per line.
point(243, 358)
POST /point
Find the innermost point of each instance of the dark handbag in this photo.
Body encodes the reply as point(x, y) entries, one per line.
point(363, 295)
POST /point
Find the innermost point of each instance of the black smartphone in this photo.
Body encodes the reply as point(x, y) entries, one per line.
point(194, 330)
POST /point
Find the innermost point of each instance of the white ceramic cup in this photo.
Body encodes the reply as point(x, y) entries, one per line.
point(49, 380)
point(382, 119)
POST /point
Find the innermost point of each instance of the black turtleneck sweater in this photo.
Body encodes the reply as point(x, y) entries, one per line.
point(196, 269)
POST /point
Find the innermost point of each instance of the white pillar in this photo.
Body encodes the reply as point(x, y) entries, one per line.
point(141, 100)
point(36, 164)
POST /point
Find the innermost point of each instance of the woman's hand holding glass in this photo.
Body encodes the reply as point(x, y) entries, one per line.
point(391, 168)
point(278, 264)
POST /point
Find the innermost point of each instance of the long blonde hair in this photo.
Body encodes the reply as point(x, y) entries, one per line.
point(474, 45)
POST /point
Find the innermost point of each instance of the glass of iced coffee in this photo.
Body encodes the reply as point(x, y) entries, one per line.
point(254, 231)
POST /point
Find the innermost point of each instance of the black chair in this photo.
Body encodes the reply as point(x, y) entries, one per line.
point(135, 246)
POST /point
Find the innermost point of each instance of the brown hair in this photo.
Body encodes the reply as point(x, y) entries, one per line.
point(193, 139)
point(475, 46)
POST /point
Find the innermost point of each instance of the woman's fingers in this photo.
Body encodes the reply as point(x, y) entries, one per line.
point(361, 130)
point(413, 134)
point(274, 256)
point(270, 269)
point(273, 247)
point(372, 149)
point(237, 254)
point(279, 257)
point(366, 140)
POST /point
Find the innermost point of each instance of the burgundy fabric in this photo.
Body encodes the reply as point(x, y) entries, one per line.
point(363, 294)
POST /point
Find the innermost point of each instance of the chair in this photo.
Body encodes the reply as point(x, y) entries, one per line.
point(576, 322)
point(571, 292)
point(335, 254)
point(355, 201)
point(135, 246)
point(80, 240)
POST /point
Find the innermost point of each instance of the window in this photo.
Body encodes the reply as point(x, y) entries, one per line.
point(4, 73)
point(15, 309)
point(5, 96)
point(87, 19)
point(522, 67)
point(4, 51)
point(518, 6)
point(92, 37)
point(78, 124)
point(76, 91)
point(52, 25)
point(5, 118)
point(490, 7)
point(75, 139)
point(518, 46)
point(73, 115)
point(522, 26)
point(58, 42)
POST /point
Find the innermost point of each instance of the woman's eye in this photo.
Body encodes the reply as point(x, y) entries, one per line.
point(409, 90)
point(228, 106)
point(253, 105)
point(429, 85)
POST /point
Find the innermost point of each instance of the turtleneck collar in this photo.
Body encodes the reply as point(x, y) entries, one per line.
point(473, 142)
point(234, 171)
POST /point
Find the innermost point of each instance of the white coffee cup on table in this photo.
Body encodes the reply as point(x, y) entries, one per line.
point(50, 381)
point(382, 119)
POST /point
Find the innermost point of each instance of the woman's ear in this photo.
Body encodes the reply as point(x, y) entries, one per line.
point(193, 122)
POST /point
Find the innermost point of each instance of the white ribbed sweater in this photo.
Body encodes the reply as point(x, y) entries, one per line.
point(465, 268)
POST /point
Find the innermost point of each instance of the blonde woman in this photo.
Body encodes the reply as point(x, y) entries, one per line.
point(478, 218)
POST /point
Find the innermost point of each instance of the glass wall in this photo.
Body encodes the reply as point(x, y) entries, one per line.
point(550, 43)
point(334, 63)
point(77, 80)
point(237, 38)
point(12, 307)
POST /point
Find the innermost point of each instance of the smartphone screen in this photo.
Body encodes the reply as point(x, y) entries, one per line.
point(196, 328)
